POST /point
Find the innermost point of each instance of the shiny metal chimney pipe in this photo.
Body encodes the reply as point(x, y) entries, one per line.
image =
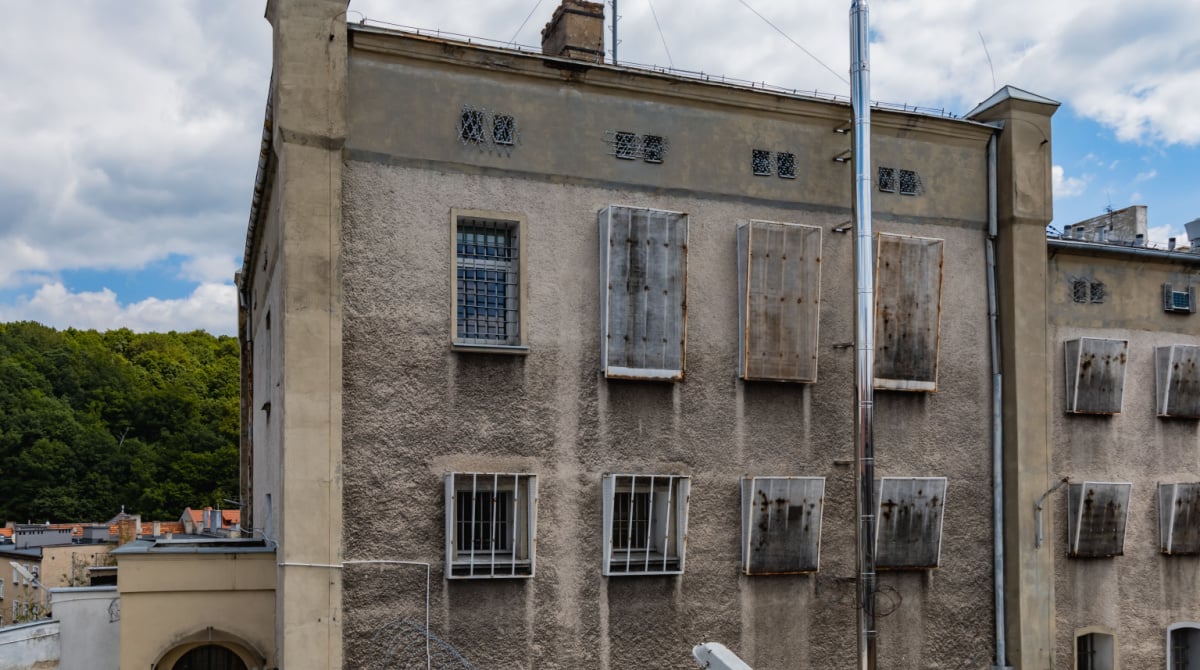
point(864, 330)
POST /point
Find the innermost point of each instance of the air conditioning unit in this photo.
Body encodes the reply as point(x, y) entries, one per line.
point(1179, 299)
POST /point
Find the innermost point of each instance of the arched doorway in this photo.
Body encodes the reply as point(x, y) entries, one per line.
point(210, 657)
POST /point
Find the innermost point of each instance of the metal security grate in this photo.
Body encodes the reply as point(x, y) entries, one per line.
point(504, 129)
point(1098, 292)
point(490, 524)
point(470, 126)
point(488, 301)
point(910, 182)
point(654, 148)
point(626, 145)
point(760, 162)
point(887, 179)
point(1079, 290)
point(645, 524)
point(785, 165)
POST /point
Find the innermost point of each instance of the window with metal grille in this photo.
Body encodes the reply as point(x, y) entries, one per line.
point(471, 125)
point(1098, 291)
point(490, 524)
point(626, 145)
point(1080, 290)
point(760, 162)
point(654, 148)
point(645, 524)
point(1094, 651)
point(887, 179)
point(487, 277)
point(1183, 646)
point(785, 165)
point(504, 129)
point(910, 182)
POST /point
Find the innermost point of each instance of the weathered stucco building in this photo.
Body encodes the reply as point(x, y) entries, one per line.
point(573, 341)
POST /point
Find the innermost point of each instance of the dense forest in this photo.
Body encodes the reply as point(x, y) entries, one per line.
point(91, 421)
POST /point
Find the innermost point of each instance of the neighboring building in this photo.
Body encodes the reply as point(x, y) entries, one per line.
point(196, 602)
point(89, 621)
point(1125, 415)
point(22, 598)
point(209, 521)
point(527, 318)
point(1127, 226)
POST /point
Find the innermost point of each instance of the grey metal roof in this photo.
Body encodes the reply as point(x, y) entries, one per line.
point(196, 545)
point(1011, 93)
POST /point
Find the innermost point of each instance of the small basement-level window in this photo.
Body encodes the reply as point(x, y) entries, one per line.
point(487, 281)
point(490, 525)
point(645, 524)
point(1095, 650)
point(1183, 646)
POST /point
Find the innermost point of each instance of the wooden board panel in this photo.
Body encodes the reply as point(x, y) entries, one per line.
point(1095, 370)
point(908, 533)
point(1177, 381)
point(779, 301)
point(781, 524)
point(908, 310)
point(643, 293)
point(1179, 518)
point(1096, 514)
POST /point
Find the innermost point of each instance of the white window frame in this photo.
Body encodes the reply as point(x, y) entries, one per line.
point(1193, 630)
point(515, 224)
point(662, 550)
point(509, 554)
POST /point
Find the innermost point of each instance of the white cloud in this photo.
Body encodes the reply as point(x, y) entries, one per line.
point(1145, 176)
point(1159, 234)
point(1066, 187)
point(210, 268)
point(211, 307)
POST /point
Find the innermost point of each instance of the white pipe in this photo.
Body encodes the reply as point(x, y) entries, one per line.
point(336, 566)
point(864, 330)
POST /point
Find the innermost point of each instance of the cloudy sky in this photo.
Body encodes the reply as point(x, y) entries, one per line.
point(129, 130)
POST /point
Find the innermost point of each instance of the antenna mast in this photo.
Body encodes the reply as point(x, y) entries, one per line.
point(614, 31)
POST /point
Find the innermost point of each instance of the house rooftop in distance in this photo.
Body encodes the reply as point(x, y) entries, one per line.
point(1123, 231)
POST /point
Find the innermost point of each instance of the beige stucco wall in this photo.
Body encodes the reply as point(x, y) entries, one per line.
point(1139, 594)
point(173, 600)
point(414, 410)
point(67, 565)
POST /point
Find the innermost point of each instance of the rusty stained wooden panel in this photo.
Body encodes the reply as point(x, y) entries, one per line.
point(781, 524)
point(1177, 380)
point(908, 532)
point(1095, 375)
point(1179, 518)
point(643, 264)
point(1096, 515)
point(779, 282)
point(908, 312)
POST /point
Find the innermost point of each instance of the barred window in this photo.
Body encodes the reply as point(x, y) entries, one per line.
point(470, 126)
point(1098, 292)
point(645, 523)
point(887, 179)
point(910, 182)
point(490, 524)
point(626, 145)
point(487, 278)
point(503, 129)
point(653, 148)
point(760, 162)
point(785, 165)
point(1080, 290)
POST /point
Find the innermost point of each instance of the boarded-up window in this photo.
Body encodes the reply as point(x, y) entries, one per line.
point(908, 533)
point(779, 291)
point(643, 301)
point(1178, 381)
point(1179, 518)
point(908, 309)
point(1095, 375)
point(1096, 514)
point(781, 524)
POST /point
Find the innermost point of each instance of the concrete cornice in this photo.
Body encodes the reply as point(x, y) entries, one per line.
point(648, 83)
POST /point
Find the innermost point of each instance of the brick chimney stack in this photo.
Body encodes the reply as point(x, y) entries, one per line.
point(575, 31)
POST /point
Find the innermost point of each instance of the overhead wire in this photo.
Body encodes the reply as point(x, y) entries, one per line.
point(798, 45)
point(522, 26)
point(660, 32)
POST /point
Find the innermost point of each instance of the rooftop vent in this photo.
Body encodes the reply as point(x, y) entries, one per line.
point(575, 31)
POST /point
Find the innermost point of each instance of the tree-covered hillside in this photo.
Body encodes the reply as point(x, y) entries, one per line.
point(92, 421)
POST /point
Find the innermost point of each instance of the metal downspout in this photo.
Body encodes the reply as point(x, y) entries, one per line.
point(864, 331)
point(1001, 662)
